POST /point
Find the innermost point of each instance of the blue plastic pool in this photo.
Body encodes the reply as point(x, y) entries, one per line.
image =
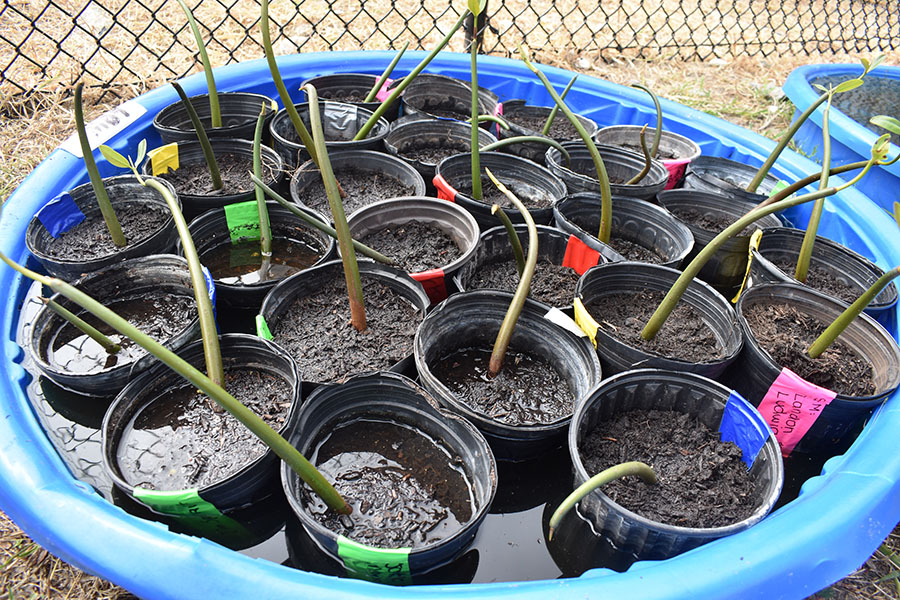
point(851, 140)
point(836, 523)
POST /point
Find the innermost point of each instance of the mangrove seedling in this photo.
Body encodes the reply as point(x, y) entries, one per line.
point(555, 110)
point(106, 209)
point(501, 344)
point(605, 476)
point(83, 326)
point(265, 227)
point(214, 175)
point(370, 97)
point(514, 242)
point(214, 110)
point(654, 147)
point(475, 8)
point(605, 191)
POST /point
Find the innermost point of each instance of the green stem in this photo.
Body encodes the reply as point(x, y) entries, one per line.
point(513, 237)
point(498, 120)
point(86, 328)
point(501, 344)
point(314, 222)
point(345, 242)
point(387, 73)
point(654, 147)
point(265, 227)
point(843, 321)
point(602, 177)
point(379, 112)
point(208, 153)
point(214, 110)
point(208, 331)
point(602, 478)
point(302, 132)
point(519, 139)
point(646, 168)
point(802, 183)
point(477, 193)
point(103, 201)
point(555, 110)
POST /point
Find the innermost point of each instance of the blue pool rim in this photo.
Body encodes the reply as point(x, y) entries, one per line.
point(851, 141)
point(837, 522)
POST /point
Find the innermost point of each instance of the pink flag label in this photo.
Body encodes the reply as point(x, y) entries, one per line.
point(384, 92)
point(791, 406)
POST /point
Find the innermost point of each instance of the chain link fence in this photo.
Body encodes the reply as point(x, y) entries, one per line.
point(47, 43)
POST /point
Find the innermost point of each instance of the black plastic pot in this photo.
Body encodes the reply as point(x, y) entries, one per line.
point(531, 150)
point(756, 375)
point(631, 277)
point(221, 237)
point(239, 110)
point(682, 149)
point(637, 221)
point(473, 319)
point(534, 185)
point(307, 283)
point(449, 218)
point(204, 511)
point(727, 269)
point(63, 213)
point(392, 398)
point(554, 245)
point(729, 177)
point(847, 266)
point(340, 123)
point(408, 137)
point(378, 164)
point(431, 95)
point(621, 166)
point(175, 156)
point(339, 87)
point(707, 401)
point(80, 364)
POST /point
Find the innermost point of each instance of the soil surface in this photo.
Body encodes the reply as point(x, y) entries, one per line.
point(707, 222)
point(362, 186)
point(443, 106)
point(702, 481)
point(627, 248)
point(552, 284)
point(316, 331)
point(531, 196)
point(430, 150)
point(527, 391)
point(182, 442)
point(786, 334)
point(684, 336)
point(822, 279)
point(193, 179)
point(344, 95)
point(90, 239)
point(240, 263)
point(160, 315)
point(404, 487)
point(414, 246)
point(561, 129)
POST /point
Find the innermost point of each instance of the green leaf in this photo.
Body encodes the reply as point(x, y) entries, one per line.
point(865, 64)
point(897, 213)
point(114, 157)
point(141, 151)
point(880, 147)
point(886, 122)
point(846, 86)
point(875, 62)
point(475, 7)
point(821, 88)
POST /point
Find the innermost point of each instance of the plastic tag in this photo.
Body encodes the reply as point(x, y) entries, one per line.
point(676, 169)
point(743, 432)
point(586, 322)
point(780, 185)
point(164, 158)
point(103, 128)
point(558, 317)
point(434, 283)
point(243, 221)
point(262, 328)
point(498, 110)
point(444, 191)
point(192, 510)
point(60, 215)
point(579, 256)
point(755, 238)
point(384, 92)
point(381, 565)
point(791, 406)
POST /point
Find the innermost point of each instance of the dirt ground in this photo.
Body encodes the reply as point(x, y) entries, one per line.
point(743, 90)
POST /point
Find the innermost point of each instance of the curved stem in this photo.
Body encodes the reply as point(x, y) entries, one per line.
point(802, 183)
point(348, 255)
point(106, 209)
point(498, 120)
point(379, 112)
point(602, 478)
point(529, 138)
point(387, 73)
point(851, 312)
point(214, 110)
point(501, 344)
point(518, 255)
point(654, 147)
point(646, 152)
point(208, 153)
point(555, 110)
